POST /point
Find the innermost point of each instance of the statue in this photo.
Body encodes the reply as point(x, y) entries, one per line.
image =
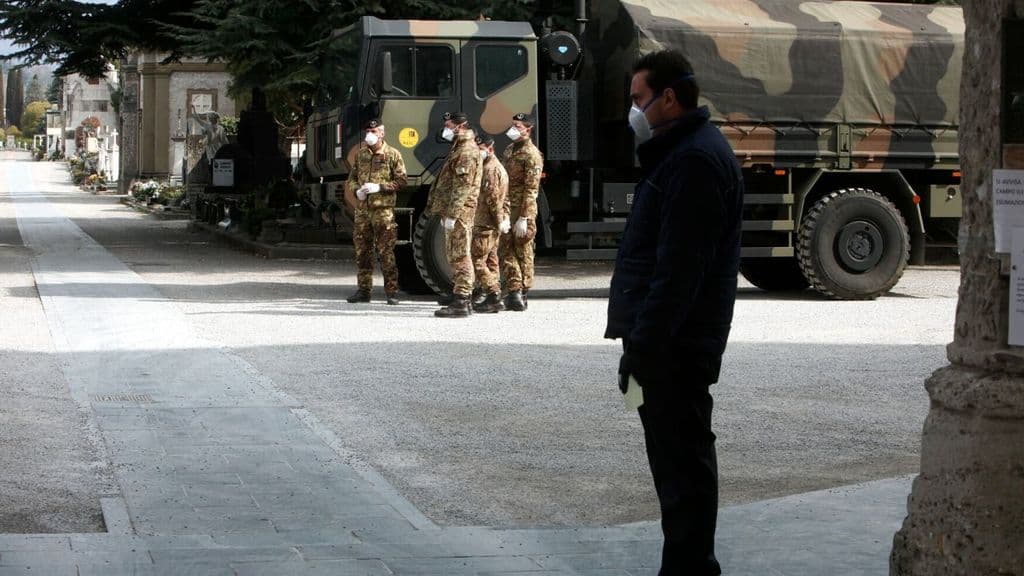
point(213, 133)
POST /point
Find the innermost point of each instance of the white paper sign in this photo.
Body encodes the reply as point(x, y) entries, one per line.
point(224, 172)
point(1007, 205)
point(1016, 336)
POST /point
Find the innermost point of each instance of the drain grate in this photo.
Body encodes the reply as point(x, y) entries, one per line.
point(136, 398)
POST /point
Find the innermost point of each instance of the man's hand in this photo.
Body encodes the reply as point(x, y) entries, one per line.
point(522, 227)
point(504, 226)
point(624, 371)
point(449, 224)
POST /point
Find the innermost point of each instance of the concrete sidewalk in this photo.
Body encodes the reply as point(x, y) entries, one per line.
point(222, 473)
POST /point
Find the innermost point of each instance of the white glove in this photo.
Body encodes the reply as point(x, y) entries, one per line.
point(449, 224)
point(361, 193)
point(371, 188)
point(505, 226)
point(522, 227)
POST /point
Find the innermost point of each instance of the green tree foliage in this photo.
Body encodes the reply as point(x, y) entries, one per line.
point(53, 94)
point(85, 37)
point(33, 116)
point(13, 130)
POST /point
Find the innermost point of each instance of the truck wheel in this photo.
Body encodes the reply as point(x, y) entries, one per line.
point(773, 273)
point(853, 245)
point(430, 253)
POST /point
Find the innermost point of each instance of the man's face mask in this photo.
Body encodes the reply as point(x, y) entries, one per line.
point(642, 129)
point(638, 121)
point(371, 139)
point(448, 134)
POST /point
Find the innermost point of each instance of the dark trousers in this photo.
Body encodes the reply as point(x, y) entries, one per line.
point(681, 451)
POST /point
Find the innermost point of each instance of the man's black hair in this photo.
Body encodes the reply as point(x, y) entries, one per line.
point(670, 69)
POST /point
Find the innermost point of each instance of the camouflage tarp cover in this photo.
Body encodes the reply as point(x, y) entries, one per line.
point(786, 61)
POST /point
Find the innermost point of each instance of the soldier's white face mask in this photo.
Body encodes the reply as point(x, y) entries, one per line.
point(514, 134)
point(448, 134)
point(371, 139)
point(483, 154)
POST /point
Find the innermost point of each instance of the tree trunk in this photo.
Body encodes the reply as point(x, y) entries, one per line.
point(966, 510)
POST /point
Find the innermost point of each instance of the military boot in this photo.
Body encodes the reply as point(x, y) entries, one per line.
point(360, 296)
point(490, 305)
point(478, 296)
point(459, 308)
point(393, 299)
point(445, 299)
point(514, 301)
point(526, 302)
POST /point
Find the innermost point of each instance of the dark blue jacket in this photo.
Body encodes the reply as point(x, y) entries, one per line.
point(674, 286)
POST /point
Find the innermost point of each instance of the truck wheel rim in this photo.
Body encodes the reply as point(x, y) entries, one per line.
point(860, 246)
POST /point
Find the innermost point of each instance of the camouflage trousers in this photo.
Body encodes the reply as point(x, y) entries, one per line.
point(376, 228)
point(484, 251)
point(459, 259)
point(517, 259)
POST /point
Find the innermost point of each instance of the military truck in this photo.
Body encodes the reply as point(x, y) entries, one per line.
point(843, 115)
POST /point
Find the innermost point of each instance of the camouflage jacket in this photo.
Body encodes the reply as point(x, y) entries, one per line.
point(458, 183)
point(524, 164)
point(384, 167)
point(492, 206)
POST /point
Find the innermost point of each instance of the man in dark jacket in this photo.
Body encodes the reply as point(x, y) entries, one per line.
point(672, 297)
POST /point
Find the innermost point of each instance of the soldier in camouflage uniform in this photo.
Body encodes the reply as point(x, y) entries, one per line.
point(524, 164)
point(454, 199)
point(492, 220)
point(378, 172)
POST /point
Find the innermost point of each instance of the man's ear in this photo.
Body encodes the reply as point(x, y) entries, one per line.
point(670, 98)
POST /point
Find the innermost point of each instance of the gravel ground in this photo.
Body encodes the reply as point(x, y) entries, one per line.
point(53, 470)
point(515, 418)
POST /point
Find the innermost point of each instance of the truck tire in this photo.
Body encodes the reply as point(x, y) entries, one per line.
point(853, 245)
point(773, 274)
point(430, 253)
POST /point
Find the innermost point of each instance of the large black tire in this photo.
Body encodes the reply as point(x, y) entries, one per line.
point(431, 255)
point(773, 273)
point(853, 245)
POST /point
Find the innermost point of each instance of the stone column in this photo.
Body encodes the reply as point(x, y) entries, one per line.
point(966, 509)
point(129, 150)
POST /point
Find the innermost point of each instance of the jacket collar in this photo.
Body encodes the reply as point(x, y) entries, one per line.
point(383, 148)
point(652, 152)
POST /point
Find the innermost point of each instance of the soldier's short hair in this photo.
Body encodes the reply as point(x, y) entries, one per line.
point(670, 69)
point(484, 140)
point(457, 117)
point(373, 123)
point(525, 118)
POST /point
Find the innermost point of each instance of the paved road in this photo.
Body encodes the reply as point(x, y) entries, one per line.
point(515, 418)
point(221, 382)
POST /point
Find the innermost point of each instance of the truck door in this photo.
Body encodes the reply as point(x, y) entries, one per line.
point(424, 86)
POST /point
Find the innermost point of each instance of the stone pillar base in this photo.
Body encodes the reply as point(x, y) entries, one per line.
point(966, 510)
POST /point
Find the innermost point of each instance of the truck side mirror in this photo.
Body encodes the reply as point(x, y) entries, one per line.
point(386, 85)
